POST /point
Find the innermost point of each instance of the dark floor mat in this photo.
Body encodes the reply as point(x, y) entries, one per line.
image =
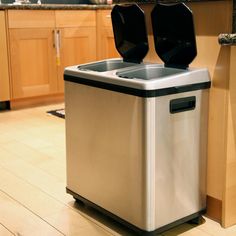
point(59, 113)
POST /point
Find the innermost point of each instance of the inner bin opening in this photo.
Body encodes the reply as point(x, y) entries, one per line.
point(149, 73)
point(106, 66)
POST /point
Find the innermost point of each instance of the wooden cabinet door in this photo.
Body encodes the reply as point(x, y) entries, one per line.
point(78, 46)
point(105, 38)
point(33, 62)
point(4, 73)
point(106, 45)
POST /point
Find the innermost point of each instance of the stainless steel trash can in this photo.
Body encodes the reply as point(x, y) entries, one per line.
point(136, 137)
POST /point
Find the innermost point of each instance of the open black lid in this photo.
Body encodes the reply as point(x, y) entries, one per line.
point(174, 35)
point(130, 33)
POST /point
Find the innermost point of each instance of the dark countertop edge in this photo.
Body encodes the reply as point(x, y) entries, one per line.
point(54, 7)
point(88, 6)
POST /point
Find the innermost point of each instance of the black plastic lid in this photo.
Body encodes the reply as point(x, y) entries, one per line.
point(174, 35)
point(130, 33)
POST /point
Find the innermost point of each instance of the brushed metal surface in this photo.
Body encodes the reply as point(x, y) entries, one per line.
point(180, 158)
point(134, 158)
point(105, 156)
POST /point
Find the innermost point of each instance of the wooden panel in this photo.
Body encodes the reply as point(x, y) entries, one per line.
point(78, 46)
point(105, 18)
point(218, 64)
point(31, 18)
point(4, 73)
point(214, 208)
point(229, 207)
point(217, 17)
point(77, 18)
point(105, 37)
point(33, 62)
point(210, 20)
point(106, 45)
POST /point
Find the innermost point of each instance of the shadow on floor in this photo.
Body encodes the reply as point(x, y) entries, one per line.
point(123, 230)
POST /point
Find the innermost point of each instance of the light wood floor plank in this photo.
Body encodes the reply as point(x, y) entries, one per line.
point(69, 222)
point(4, 231)
point(192, 232)
point(21, 221)
point(38, 178)
point(57, 214)
point(45, 162)
point(29, 196)
point(213, 228)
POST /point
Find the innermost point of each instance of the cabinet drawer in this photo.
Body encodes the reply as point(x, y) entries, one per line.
point(73, 18)
point(105, 18)
point(31, 18)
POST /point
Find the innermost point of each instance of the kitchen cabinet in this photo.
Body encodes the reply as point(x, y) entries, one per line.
point(105, 39)
point(77, 39)
point(32, 53)
point(33, 64)
point(42, 43)
point(4, 73)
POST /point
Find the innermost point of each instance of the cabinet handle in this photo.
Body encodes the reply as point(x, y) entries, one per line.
point(55, 38)
point(108, 16)
point(59, 38)
point(58, 45)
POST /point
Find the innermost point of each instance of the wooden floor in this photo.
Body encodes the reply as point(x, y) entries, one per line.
point(33, 200)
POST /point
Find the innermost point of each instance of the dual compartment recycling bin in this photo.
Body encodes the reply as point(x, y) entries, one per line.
point(136, 133)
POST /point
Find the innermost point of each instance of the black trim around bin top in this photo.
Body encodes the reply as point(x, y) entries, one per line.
point(138, 92)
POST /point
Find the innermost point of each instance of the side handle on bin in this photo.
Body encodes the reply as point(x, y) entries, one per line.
point(182, 104)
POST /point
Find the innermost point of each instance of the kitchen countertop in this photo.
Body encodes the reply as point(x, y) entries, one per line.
point(34, 6)
point(54, 6)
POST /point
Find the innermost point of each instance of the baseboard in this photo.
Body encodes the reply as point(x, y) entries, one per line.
point(4, 105)
point(36, 101)
point(214, 209)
